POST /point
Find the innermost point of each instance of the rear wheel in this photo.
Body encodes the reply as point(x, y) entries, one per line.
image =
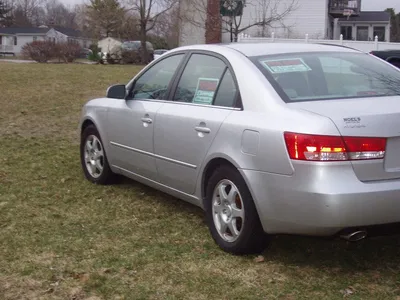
point(93, 157)
point(231, 214)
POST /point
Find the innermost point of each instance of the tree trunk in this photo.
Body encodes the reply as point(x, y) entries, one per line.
point(213, 22)
point(231, 28)
point(236, 34)
point(144, 53)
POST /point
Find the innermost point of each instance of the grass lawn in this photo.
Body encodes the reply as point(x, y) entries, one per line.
point(64, 238)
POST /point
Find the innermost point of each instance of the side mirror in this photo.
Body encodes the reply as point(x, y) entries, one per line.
point(117, 91)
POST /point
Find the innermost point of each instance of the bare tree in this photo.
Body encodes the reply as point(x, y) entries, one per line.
point(149, 12)
point(268, 14)
point(129, 29)
point(30, 8)
point(23, 12)
point(38, 16)
point(265, 14)
point(5, 14)
point(81, 18)
point(167, 28)
point(58, 14)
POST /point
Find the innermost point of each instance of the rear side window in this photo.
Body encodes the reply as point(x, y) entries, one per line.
point(206, 80)
point(200, 79)
point(226, 95)
point(329, 75)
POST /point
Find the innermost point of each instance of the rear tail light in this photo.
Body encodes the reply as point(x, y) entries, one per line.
point(333, 148)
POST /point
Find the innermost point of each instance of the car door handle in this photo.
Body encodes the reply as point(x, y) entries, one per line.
point(202, 129)
point(147, 120)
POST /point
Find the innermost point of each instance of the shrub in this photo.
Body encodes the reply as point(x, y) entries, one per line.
point(68, 52)
point(43, 51)
point(94, 56)
point(40, 51)
point(110, 59)
point(130, 57)
point(95, 48)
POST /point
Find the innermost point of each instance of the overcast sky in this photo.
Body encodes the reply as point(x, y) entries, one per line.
point(366, 4)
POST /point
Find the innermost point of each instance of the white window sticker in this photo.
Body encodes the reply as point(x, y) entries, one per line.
point(286, 65)
point(205, 90)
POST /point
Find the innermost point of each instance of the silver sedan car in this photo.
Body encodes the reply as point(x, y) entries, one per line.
point(266, 138)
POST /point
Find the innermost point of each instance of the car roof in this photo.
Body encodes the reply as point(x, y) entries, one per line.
point(258, 49)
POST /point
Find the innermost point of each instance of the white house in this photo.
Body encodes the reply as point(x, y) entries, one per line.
point(12, 39)
point(365, 27)
point(320, 19)
point(109, 44)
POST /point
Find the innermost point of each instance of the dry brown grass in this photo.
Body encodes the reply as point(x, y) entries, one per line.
point(63, 238)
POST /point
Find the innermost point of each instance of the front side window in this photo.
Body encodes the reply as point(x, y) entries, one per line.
point(200, 79)
point(153, 84)
point(329, 75)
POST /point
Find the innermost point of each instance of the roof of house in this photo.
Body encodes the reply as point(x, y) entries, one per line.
point(23, 30)
point(40, 30)
point(68, 31)
point(369, 16)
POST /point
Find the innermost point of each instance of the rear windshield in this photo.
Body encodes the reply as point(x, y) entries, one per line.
point(328, 75)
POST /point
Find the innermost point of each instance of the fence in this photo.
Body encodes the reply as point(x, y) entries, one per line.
point(6, 48)
point(366, 46)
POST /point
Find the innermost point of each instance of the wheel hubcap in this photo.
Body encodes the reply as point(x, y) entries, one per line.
point(94, 156)
point(228, 210)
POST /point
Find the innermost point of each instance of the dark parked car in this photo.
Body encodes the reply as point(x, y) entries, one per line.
point(85, 52)
point(130, 51)
point(391, 56)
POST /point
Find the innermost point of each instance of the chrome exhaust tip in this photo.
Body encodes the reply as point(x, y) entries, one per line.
point(355, 236)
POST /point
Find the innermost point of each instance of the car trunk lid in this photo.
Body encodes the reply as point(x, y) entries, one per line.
point(365, 117)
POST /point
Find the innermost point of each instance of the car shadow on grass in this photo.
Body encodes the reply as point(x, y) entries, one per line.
point(379, 253)
point(163, 198)
point(369, 254)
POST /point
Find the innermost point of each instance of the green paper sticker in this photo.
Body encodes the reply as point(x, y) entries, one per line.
point(205, 90)
point(288, 65)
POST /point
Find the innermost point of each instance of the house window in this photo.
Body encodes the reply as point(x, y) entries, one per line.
point(1, 40)
point(362, 33)
point(380, 32)
point(15, 41)
point(35, 38)
point(347, 32)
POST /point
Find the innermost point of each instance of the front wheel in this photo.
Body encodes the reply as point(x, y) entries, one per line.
point(231, 214)
point(93, 157)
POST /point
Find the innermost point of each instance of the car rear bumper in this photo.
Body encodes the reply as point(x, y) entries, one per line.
point(321, 199)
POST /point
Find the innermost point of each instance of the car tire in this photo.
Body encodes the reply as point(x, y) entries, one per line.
point(94, 159)
point(235, 212)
